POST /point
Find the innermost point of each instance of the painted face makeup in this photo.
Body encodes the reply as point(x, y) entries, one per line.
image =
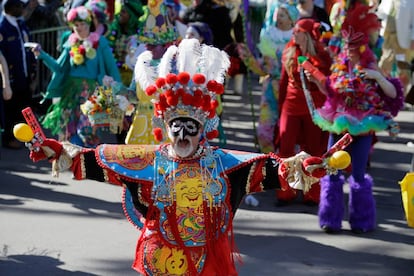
point(184, 127)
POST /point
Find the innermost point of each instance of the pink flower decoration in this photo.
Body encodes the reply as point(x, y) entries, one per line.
point(73, 39)
point(71, 15)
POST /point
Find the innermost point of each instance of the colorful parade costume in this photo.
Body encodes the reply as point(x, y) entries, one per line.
point(123, 38)
point(185, 207)
point(272, 43)
point(184, 204)
point(157, 31)
point(360, 106)
point(81, 65)
point(295, 124)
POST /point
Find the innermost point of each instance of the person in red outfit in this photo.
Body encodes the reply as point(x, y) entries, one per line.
point(296, 126)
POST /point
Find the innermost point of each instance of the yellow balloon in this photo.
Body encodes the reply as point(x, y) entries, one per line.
point(339, 160)
point(23, 132)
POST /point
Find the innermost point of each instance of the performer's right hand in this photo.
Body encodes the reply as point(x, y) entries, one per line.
point(50, 149)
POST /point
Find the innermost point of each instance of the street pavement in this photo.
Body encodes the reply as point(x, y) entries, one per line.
point(60, 226)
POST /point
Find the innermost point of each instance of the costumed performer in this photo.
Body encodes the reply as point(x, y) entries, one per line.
point(85, 59)
point(184, 194)
point(157, 34)
point(360, 101)
point(295, 123)
point(275, 34)
point(123, 37)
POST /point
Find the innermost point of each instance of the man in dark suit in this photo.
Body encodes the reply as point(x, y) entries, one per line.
point(21, 66)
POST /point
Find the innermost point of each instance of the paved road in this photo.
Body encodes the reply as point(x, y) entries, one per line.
point(65, 227)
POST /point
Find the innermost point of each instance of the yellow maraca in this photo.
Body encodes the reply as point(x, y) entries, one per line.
point(23, 132)
point(339, 160)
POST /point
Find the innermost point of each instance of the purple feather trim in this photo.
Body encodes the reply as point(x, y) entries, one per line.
point(394, 105)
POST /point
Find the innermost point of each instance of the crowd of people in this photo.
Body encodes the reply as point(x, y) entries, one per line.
point(324, 75)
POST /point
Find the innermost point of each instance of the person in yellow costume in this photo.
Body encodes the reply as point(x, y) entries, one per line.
point(157, 33)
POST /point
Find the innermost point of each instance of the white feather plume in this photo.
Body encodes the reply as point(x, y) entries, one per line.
point(214, 63)
point(165, 65)
point(145, 74)
point(189, 54)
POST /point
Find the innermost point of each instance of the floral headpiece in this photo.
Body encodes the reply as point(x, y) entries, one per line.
point(190, 78)
point(359, 23)
point(99, 8)
point(80, 13)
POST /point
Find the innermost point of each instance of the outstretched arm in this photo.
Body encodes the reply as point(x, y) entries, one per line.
point(4, 70)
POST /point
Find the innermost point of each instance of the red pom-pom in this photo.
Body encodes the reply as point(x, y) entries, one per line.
point(206, 102)
point(197, 100)
point(212, 113)
point(163, 102)
point(212, 134)
point(180, 92)
point(157, 134)
point(183, 78)
point(169, 93)
point(214, 104)
point(171, 78)
point(198, 93)
point(219, 89)
point(160, 82)
point(211, 85)
point(199, 78)
point(150, 90)
point(187, 99)
point(172, 100)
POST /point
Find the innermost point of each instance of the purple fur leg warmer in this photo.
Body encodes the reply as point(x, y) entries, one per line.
point(331, 204)
point(361, 205)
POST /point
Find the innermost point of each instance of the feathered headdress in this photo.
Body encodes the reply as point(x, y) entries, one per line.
point(359, 23)
point(190, 77)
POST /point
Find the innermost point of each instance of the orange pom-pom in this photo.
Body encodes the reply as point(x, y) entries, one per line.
point(171, 78)
point(199, 78)
point(150, 90)
point(212, 134)
point(157, 134)
point(160, 82)
point(183, 78)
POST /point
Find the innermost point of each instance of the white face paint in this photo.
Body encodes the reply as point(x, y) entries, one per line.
point(185, 137)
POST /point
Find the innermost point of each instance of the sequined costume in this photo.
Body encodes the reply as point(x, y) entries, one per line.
point(187, 206)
